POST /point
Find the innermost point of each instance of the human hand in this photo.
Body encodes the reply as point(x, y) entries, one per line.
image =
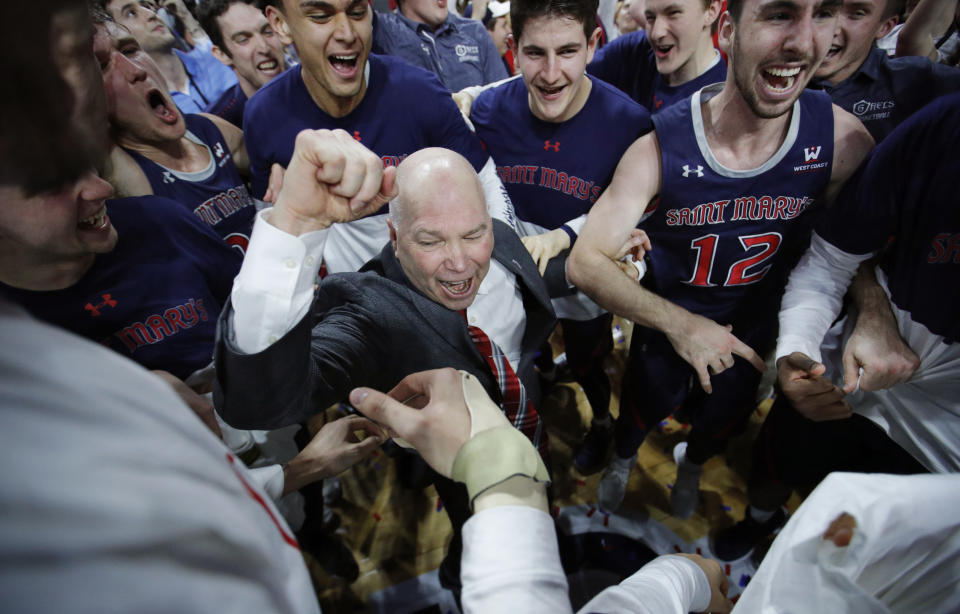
point(274, 184)
point(464, 101)
point(331, 178)
point(813, 395)
point(709, 347)
point(435, 420)
point(876, 347)
point(333, 449)
point(632, 251)
point(544, 246)
point(719, 585)
point(199, 404)
point(841, 530)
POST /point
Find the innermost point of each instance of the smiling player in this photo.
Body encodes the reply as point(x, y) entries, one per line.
point(243, 40)
point(743, 164)
point(391, 107)
point(556, 137)
point(668, 61)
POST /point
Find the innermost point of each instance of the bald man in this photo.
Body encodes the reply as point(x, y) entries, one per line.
point(285, 352)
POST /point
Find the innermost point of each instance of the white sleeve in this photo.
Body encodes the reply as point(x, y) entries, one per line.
point(511, 563)
point(274, 288)
point(270, 479)
point(576, 224)
point(668, 584)
point(813, 297)
point(498, 201)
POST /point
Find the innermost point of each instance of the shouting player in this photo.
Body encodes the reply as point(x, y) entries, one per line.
point(745, 164)
point(556, 137)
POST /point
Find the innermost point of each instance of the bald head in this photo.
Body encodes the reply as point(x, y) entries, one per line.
point(439, 226)
point(434, 174)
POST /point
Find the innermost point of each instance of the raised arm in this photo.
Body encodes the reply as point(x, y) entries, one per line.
point(928, 21)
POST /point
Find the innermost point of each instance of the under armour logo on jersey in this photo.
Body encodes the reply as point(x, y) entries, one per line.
point(167, 177)
point(547, 145)
point(356, 135)
point(811, 154)
point(687, 170)
point(218, 150)
point(94, 310)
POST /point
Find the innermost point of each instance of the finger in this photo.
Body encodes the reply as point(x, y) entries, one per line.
point(802, 362)
point(716, 366)
point(645, 241)
point(851, 372)
point(745, 351)
point(359, 423)
point(381, 408)
point(417, 384)
point(365, 448)
point(704, 376)
point(542, 264)
point(388, 191)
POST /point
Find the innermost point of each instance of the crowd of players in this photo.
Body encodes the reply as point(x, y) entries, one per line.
point(756, 185)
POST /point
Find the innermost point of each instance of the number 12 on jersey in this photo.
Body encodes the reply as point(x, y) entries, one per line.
point(748, 270)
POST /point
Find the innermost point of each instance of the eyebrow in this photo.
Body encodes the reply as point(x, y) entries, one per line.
point(433, 233)
point(779, 5)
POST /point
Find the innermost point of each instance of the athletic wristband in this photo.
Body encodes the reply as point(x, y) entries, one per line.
point(494, 456)
point(496, 451)
point(569, 231)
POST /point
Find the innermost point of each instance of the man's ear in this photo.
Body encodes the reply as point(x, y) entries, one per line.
point(592, 44)
point(887, 26)
point(279, 24)
point(725, 33)
point(393, 234)
point(221, 55)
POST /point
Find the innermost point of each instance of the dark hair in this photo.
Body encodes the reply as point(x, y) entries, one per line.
point(894, 7)
point(735, 8)
point(211, 11)
point(40, 147)
point(583, 11)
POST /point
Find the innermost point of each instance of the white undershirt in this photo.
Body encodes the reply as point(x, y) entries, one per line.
point(813, 296)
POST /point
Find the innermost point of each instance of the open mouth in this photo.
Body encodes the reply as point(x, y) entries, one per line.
point(833, 52)
point(551, 93)
point(161, 108)
point(97, 221)
point(781, 79)
point(268, 65)
point(662, 51)
point(458, 289)
point(344, 65)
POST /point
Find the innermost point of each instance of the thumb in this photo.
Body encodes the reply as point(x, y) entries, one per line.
point(379, 407)
point(851, 372)
point(802, 362)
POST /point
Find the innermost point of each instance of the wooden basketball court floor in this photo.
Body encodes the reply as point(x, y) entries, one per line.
point(398, 534)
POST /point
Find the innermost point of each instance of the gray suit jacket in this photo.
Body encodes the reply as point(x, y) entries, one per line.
point(373, 328)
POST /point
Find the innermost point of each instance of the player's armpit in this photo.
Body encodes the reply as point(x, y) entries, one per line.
point(851, 145)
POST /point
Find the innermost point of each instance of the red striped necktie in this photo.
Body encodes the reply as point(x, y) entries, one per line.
point(515, 404)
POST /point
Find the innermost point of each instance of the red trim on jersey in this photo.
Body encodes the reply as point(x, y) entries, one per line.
point(287, 537)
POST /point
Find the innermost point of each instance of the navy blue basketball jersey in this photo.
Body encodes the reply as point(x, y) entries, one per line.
point(725, 240)
point(908, 190)
point(405, 109)
point(216, 194)
point(629, 64)
point(156, 297)
point(554, 172)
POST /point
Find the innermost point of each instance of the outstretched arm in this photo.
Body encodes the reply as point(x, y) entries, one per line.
point(704, 344)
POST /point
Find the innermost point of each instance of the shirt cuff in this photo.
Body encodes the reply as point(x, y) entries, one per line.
point(270, 479)
point(275, 286)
